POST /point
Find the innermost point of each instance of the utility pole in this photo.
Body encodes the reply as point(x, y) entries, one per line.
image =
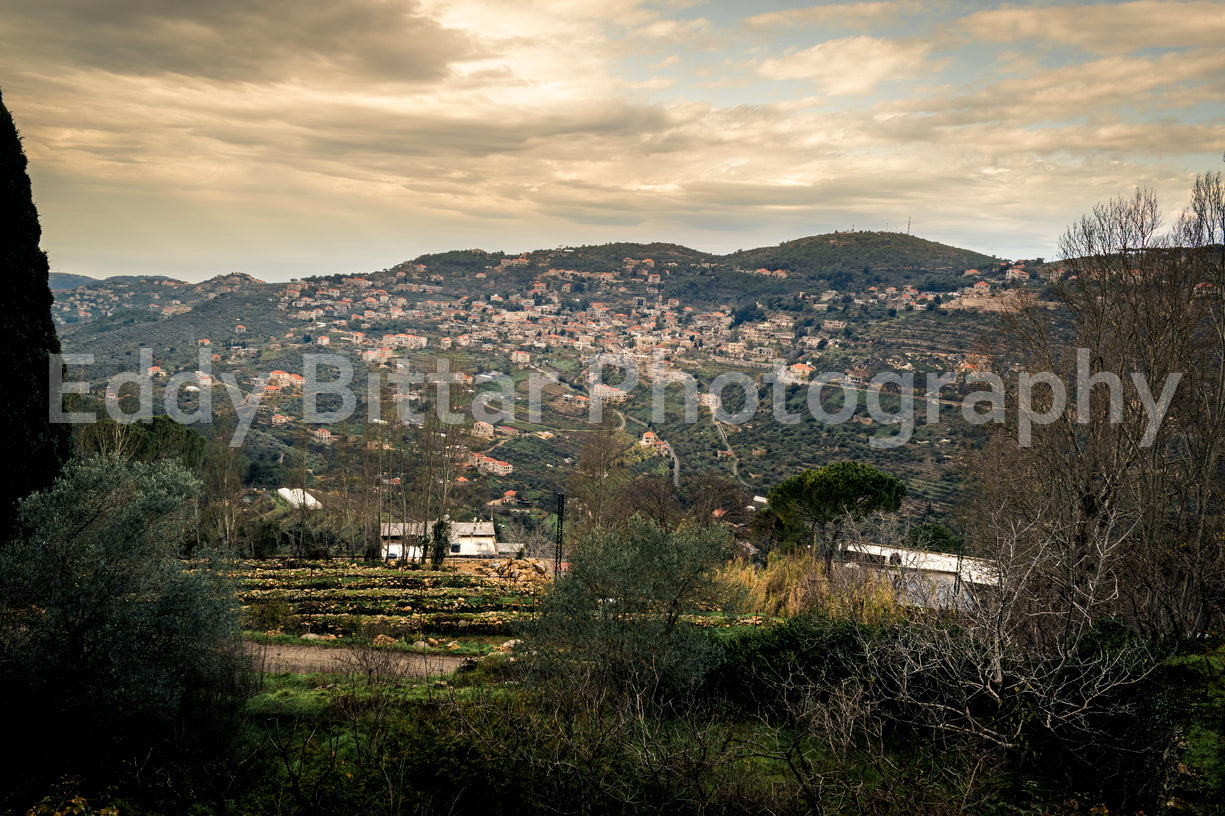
point(561, 527)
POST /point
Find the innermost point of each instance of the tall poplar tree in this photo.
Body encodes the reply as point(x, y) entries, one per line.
point(32, 449)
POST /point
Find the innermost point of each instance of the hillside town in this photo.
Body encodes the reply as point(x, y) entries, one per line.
point(494, 321)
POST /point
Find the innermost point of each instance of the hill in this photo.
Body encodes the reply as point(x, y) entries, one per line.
point(855, 260)
point(548, 311)
point(614, 257)
point(61, 280)
point(843, 261)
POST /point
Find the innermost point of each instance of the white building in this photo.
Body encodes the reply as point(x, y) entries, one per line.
point(926, 578)
point(472, 539)
point(298, 497)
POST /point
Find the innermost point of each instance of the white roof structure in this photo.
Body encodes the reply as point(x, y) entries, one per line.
point(298, 497)
point(973, 570)
point(928, 579)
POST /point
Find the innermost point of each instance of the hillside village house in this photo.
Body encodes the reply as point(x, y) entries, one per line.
point(487, 464)
point(468, 539)
point(408, 341)
point(796, 374)
point(856, 377)
point(283, 379)
point(608, 393)
point(652, 441)
point(378, 355)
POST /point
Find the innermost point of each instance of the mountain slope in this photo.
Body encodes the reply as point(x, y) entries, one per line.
point(62, 280)
point(852, 260)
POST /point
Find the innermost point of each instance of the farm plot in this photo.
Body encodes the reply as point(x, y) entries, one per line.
point(362, 600)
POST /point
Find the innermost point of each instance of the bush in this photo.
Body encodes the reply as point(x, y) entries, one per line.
point(106, 632)
point(618, 612)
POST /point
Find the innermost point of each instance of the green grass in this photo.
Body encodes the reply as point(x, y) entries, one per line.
point(1200, 683)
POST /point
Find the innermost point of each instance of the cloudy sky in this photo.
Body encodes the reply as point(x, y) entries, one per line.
point(286, 138)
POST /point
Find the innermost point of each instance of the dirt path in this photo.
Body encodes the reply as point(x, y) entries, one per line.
point(301, 659)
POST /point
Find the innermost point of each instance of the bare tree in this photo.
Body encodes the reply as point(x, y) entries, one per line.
point(533, 540)
point(655, 498)
point(432, 459)
point(1106, 499)
point(221, 517)
point(717, 499)
point(1098, 500)
point(599, 482)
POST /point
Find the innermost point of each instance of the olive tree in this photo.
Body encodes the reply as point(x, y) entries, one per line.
point(104, 630)
point(618, 613)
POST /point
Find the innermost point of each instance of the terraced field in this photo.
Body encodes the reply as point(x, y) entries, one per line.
point(340, 599)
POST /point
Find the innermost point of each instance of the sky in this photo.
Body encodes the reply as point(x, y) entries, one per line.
point(288, 138)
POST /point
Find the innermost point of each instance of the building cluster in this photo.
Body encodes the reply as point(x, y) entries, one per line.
point(620, 316)
point(164, 296)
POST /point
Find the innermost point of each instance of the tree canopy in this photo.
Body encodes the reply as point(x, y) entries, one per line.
point(821, 501)
point(619, 609)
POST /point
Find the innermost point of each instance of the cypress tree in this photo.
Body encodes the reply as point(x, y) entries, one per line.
point(32, 449)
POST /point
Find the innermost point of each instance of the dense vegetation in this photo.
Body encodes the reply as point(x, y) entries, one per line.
point(617, 701)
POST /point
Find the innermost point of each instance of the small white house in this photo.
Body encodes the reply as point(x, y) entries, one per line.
point(473, 539)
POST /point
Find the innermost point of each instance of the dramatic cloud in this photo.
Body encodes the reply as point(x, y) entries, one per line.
point(283, 138)
point(855, 65)
point(839, 15)
point(1106, 89)
point(1106, 28)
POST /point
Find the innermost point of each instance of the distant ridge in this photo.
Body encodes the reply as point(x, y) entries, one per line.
point(62, 280)
point(839, 260)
